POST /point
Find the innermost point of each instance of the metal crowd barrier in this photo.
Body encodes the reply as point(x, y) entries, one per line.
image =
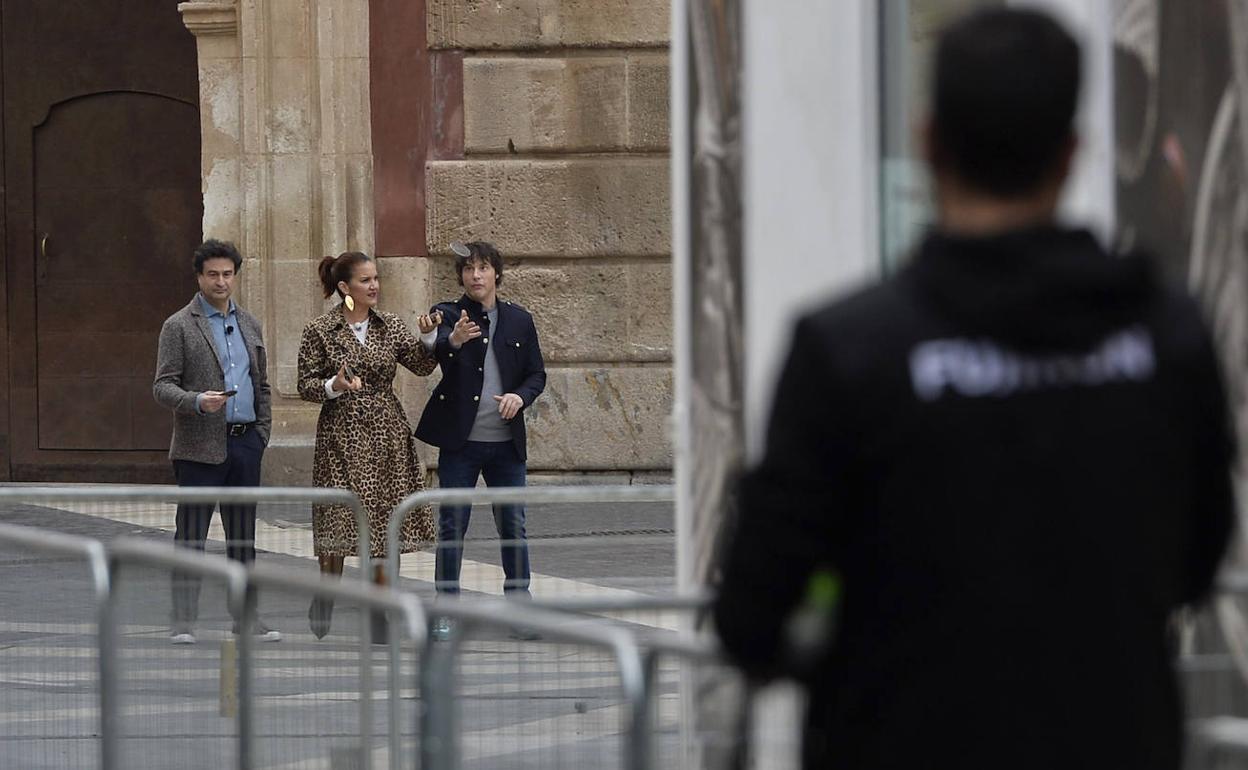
point(137, 552)
point(1214, 738)
point(403, 607)
point(92, 553)
point(75, 498)
point(648, 616)
point(696, 658)
point(692, 655)
point(242, 587)
point(526, 495)
point(440, 744)
point(647, 620)
point(636, 657)
point(121, 509)
point(690, 602)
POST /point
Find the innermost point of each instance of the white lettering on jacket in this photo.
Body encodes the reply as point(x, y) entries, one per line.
point(982, 368)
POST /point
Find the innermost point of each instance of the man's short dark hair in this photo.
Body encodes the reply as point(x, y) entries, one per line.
point(1004, 93)
point(214, 249)
point(480, 250)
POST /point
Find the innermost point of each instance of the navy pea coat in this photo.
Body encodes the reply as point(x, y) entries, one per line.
point(452, 409)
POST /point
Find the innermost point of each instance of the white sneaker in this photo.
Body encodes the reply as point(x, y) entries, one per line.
point(182, 636)
point(261, 632)
point(441, 630)
point(268, 635)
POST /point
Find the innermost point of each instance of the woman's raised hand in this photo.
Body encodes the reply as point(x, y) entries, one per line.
point(428, 322)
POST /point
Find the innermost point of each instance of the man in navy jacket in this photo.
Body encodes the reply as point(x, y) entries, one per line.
point(492, 371)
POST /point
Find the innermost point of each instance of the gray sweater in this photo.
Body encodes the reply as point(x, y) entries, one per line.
point(489, 425)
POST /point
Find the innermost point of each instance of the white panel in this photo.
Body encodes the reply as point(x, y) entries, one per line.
point(1089, 198)
point(811, 163)
point(679, 109)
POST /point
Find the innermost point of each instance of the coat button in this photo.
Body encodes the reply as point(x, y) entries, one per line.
point(517, 344)
point(485, 340)
point(479, 369)
point(450, 355)
point(476, 398)
point(441, 397)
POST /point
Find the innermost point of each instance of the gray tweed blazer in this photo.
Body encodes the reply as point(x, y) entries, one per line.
point(187, 364)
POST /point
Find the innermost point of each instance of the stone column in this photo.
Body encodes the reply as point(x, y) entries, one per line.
point(284, 98)
point(215, 26)
point(565, 168)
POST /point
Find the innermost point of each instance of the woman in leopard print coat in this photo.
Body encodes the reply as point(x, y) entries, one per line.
point(348, 358)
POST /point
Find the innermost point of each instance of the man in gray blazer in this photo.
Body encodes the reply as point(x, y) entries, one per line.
point(211, 371)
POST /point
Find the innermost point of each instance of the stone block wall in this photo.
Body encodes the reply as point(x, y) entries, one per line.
point(565, 168)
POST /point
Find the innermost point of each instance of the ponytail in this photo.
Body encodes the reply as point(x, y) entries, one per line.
point(339, 269)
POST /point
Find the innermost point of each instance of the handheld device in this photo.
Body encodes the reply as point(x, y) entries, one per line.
point(229, 393)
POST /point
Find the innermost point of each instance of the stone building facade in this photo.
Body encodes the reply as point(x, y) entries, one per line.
point(395, 126)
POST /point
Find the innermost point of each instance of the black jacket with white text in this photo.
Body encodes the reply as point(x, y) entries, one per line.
point(1015, 454)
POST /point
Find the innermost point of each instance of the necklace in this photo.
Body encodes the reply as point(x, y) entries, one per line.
point(357, 325)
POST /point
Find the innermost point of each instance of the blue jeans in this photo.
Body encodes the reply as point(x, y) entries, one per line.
point(501, 466)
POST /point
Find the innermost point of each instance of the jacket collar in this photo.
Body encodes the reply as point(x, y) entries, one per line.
point(196, 309)
point(200, 306)
point(475, 307)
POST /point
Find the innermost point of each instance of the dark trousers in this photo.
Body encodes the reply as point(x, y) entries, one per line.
point(240, 469)
point(500, 465)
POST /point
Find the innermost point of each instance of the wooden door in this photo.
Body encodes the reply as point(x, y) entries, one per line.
point(103, 209)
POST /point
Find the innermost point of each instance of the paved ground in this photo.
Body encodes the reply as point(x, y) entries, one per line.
point(523, 704)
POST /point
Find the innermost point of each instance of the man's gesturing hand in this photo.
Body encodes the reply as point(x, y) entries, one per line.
point(509, 405)
point(465, 329)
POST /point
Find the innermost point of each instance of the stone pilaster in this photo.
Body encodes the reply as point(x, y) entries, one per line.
point(215, 26)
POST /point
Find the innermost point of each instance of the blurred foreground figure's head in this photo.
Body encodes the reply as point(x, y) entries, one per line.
point(1004, 91)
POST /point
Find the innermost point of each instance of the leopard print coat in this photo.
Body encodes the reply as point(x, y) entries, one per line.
point(363, 440)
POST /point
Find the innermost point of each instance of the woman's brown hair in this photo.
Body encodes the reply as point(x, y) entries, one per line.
point(333, 270)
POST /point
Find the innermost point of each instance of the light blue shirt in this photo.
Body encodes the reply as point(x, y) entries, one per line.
point(227, 338)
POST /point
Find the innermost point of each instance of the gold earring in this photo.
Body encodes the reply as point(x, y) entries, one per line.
point(349, 301)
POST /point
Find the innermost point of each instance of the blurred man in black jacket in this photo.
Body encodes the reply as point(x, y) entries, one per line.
point(1014, 455)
